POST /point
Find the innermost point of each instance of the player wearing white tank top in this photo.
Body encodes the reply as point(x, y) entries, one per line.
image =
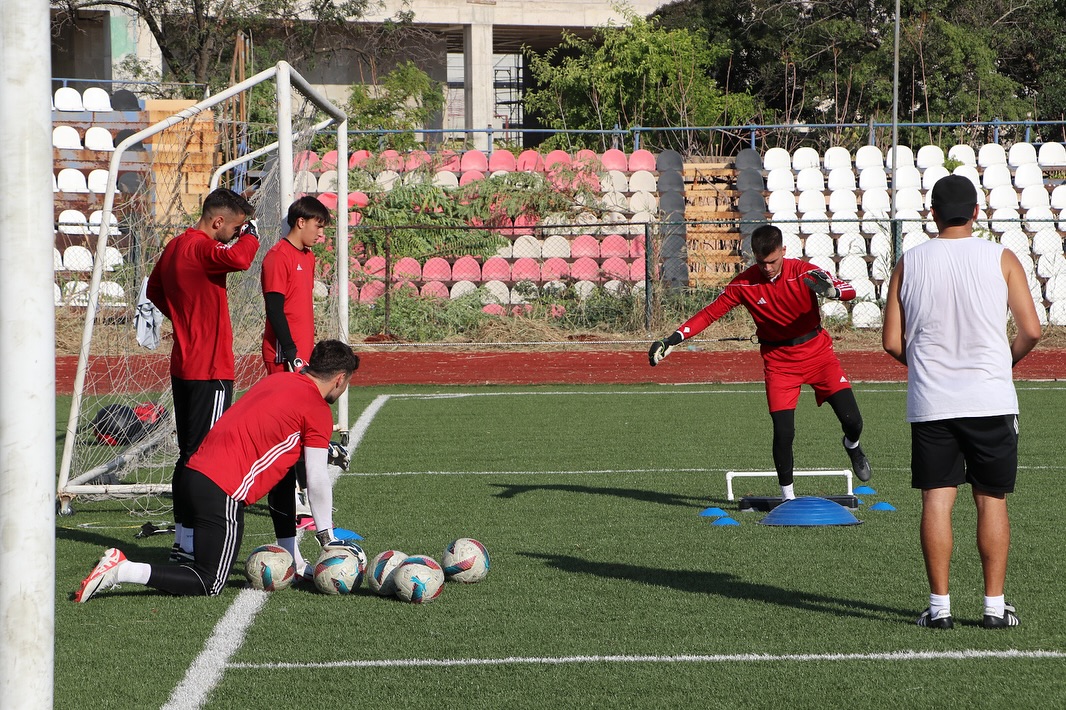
point(946, 319)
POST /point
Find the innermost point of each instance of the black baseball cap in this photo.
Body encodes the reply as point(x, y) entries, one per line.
point(954, 198)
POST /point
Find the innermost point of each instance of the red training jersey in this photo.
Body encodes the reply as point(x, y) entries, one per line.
point(782, 309)
point(188, 285)
point(290, 271)
point(255, 443)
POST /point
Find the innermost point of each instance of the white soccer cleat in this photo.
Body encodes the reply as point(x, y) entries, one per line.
point(103, 577)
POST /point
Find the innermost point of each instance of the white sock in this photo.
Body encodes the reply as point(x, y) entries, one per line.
point(179, 532)
point(187, 539)
point(995, 606)
point(938, 602)
point(134, 572)
point(787, 493)
point(849, 444)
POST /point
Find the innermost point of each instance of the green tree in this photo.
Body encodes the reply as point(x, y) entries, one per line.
point(405, 99)
point(635, 75)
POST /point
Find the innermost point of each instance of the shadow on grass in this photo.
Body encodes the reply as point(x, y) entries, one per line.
point(723, 584)
point(510, 490)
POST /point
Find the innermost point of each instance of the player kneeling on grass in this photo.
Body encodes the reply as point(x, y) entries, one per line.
point(782, 296)
point(248, 454)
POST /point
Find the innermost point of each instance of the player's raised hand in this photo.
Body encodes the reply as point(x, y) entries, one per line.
point(250, 227)
point(821, 283)
point(661, 348)
point(337, 455)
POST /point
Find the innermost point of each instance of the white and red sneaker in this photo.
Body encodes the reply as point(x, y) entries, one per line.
point(104, 576)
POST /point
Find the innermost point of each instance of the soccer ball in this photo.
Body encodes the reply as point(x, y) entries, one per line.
point(353, 548)
point(380, 571)
point(270, 568)
point(466, 560)
point(418, 579)
point(339, 570)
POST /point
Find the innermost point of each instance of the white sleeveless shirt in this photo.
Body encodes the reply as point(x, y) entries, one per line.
point(954, 300)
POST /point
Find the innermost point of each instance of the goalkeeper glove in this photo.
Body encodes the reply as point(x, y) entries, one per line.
point(820, 282)
point(325, 538)
point(294, 365)
point(337, 455)
point(249, 227)
point(661, 348)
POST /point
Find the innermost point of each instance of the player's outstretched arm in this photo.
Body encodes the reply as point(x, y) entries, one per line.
point(661, 348)
point(1022, 308)
point(823, 284)
point(320, 492)
point(893, 339)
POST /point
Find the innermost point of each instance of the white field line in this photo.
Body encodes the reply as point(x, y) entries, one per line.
point(965, 655)
point(673, 390)
point(206, 670)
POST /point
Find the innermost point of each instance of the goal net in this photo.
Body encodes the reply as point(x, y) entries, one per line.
point(120, 438)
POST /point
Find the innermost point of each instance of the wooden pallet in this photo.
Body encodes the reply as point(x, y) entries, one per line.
point(712, 236)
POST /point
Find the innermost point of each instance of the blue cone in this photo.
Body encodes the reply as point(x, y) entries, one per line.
point(882, 506)
point(713, 513)
point(725, 521)
point(344, 534)
point(809, 511)
point(858, 501)
point(865, 490)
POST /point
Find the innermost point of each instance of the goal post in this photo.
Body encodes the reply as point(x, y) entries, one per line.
point(115, 370)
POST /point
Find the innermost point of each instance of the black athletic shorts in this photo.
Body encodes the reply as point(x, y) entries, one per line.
point(981, 451)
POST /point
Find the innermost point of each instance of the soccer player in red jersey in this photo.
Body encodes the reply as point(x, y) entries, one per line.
point(246, 455)
point(782, 297)
point(188, 285)
point(288, 287)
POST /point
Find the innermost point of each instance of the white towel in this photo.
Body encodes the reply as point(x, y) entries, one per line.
point(148, 319)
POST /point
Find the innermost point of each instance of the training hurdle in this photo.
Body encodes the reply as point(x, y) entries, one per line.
point(730, 475)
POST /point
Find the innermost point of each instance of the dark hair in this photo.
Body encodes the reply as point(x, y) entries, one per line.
point(226, 200)
point(331, 357)
point(308, 207)
point(765, 240)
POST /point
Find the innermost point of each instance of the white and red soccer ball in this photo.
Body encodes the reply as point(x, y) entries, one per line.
point(270, 568)
point(419, 579)
point(340, 569)
point(379, 573)
point(465, 560)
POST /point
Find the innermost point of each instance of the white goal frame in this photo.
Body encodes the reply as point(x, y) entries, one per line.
point(286, 79)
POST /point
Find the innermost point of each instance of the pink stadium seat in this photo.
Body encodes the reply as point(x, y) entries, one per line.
point(375, 267)
point(585, 245)
point(554, 269)
point(449, 160)
point(524, 223)
point(502, 160)
point(434, 289)
point(614, 159)
point(407, 268)
point(466, 268)
point(306, 160)
point(641, 160)
point(353, 291)
point(329, 160)
point(587, 178)
point(636, 247)
point(557, 157)
point(585, 269)
point(530, 161)
point(357, 199)
point(329, 199)
point(391, 159)
point(614, 245)
point(615, 268)
point(415, 159)
point(471, 176)
point(358, 158)
point(586, 158)
point(371, 292)
point(354, 218)
point(525, 269)
point(636, 270)
point(474, 160)
point(437, 269)
point(494, 309)
point(496, 268)
point(407, 286)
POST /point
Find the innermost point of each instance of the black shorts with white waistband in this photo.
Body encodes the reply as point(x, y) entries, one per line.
point(981, 451)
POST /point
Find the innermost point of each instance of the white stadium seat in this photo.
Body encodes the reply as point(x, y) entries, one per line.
point(991, 154)
point(810, 179)
point(929, 156)
point(1040, 218)
point(853, 266)
point(1002, 196)
point(846, 224)
point(1021, 154)
point(869, 156)
point(810, 201)
point(77, 258)
point(996, 175)
point(841, 179)
point(781, 201)
point(73, 222)
point(1052, 155)
point(97, 181)
point(866, 314)
point(964, 154)
point(96, 99)
point(835, 158)
point(1017, 241)
point(873, 178)
point(776, 158)
point(820, 244)
point(66, 138)
point(907, 176)
point(67, 98)
point(1028, 175)
point(1034, 196)
point(876, 201)
point(842, 201)
point(71, 180)
point(932, 174)
point(1047, 241)
point(805, 157)
point(99, 138)
point(780, 179)
point(1058, 197)
point(903, 152)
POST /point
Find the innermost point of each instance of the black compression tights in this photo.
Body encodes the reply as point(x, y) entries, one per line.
point(847, 411)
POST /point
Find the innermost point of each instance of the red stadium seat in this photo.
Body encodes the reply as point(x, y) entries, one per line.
point(416, 159)
point(306, 160)
point(358, 158)
point(636, 247)
point(614, 245)
point(494, 309)
point(437, 269)
point(354, 218)
point(471, 176)
point(502, 160)
point(525, 269)
point(585, 245)
point(586, 158)
point(557, 157)
point(353, 291)
point(434, 289)
point(391, 159)
point(473, 160)
point(449, 160)
point(375, 267)
point(615, 268)
point(554, 269)
point(407, 286)
point(641, 160)
point(329, 160)
point(357, 199)
point(636, 270)
point(407, 268)
point(614, 159)
point(371, 291)
point(530, 161)
point(466, 268)
point(496, 268)
point(524, 224)
point(585, 269)
point(329, 199)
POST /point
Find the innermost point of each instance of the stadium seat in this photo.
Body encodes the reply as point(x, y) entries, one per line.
point(125, 100)
point(306, 160)
point(910, 220)
point(391, 160)
point(819, 244)
point(905, 154)
point(526, 246)
point(810, 201)
point(641, 160)
point(1028, 175)
point(996, 175)
point(1003, 219)
point(1047, 240)
point(876, 200)
point(66, 138)
point(642, 180)
point(445, 178)
point(614, 245)
point(874, 222)
point(433, 289)
point(853, 266)
point(94, 224)
point(841, 179)
point(556, 245)
point(913, 239)
point(907, 176)
point(96, 99)
point(525, 269)
point(1017, 241)
point(869, 156)
point(585, 246)
point(585, 269)
point(76, 293)
point(781, 201)
point(77, 258)
point(835, 158)
point(793, 245)
point(327, 181)
point(991, 154)
point(406, 269)
point(970, 173)
point(776, 159)
point(1055, 289)
point(614, 181)
point(834, 310)
point(532, 161)
point(358, 158)
point(644, 201)
point(495, 292)
point(873, 179)
point(411, 162)
point(825, 263)
point(67, 98)
point(881, 246)
point(1021, 154)
point(329, 199)
point(614, 159)
point(846, 223)
point(73, 222)
point(881, 270)
point(637, 274)
point(814, 222)
point(502, 160)
point(810, 179)
point(587, 160)
point(615, 268)
point(864, 289)
point(71, 180)
point(787, 222)
point(866, 314)
point(473, 160)
point(1058, 197)
point(520, 295)
point(496, 268)
point(554, 269)
point(1057, 313)
point(1047, 265)
point(909, 198)
point(748, 158)
point(1052, 155)
point(328, 160)
point(437, 269)
point(304, 181)
point(99, 138)
point(780, 179)
point(636, 247)
point(557, 158)
point(932, 174)
point(851, 243)
point(1034, 196)
point(386, 179)
point(470, 176)
point(929, 156)
point(57, 260)
point(638, 223)
point(963, 154)
point(466, 268)
point(806, 157)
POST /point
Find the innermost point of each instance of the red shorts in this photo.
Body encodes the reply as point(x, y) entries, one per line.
point(787, 369)
point(272, 367)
